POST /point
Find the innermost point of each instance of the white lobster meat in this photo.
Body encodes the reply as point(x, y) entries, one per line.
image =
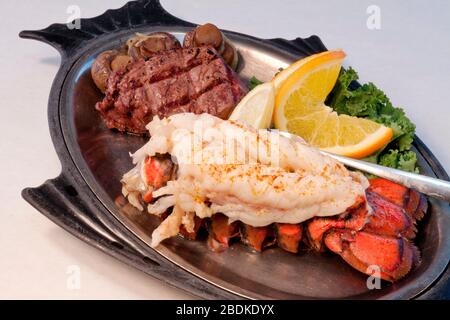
point(255, 176)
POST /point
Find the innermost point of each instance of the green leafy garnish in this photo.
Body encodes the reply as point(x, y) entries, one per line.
point(253, 82)
point(370, 102)
point(405, 160)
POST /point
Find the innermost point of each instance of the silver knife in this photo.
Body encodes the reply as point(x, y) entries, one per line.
point(436, 188)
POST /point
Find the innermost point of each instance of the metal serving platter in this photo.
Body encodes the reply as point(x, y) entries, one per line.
point(85, 198)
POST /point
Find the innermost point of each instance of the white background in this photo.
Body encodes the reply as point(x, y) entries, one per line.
point(409, 58)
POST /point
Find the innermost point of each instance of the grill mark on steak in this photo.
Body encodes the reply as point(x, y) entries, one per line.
point(180, 80)
point(171, 72)
point(184, 100)
point(215, 81)
point(177, 73)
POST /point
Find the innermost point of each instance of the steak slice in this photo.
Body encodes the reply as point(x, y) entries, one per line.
point(180, 80)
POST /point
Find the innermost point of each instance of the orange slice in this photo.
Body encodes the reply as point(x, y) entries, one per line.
point(300, 109)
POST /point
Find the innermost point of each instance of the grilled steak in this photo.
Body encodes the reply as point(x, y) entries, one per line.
point(180, 80)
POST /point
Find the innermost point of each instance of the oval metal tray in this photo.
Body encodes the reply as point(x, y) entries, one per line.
point(82, 198)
